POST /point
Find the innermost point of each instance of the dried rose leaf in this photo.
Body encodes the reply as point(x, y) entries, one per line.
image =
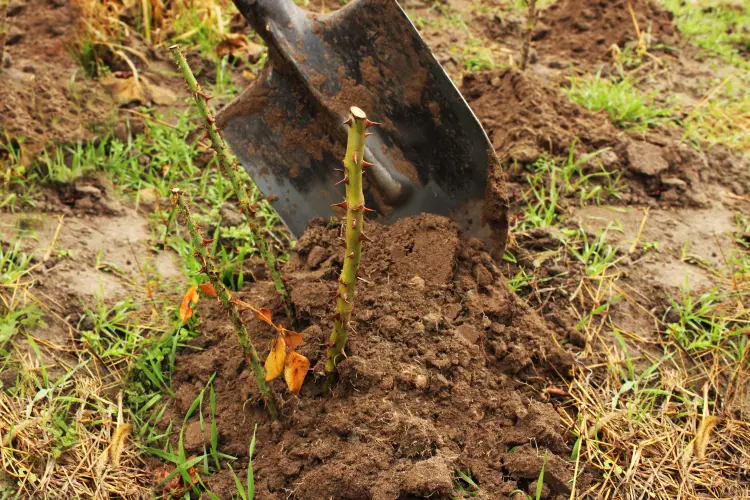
point(295, 371)
point(264, 315)
point(275, 361)
point(292, 339)
point(190, 299)
point(208, 290)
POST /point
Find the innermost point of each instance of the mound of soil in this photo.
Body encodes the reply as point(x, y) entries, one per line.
point(446, 371)
point(524, 117)
point(584, 30)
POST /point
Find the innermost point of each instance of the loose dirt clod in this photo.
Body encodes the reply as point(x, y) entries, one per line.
point(443, 374)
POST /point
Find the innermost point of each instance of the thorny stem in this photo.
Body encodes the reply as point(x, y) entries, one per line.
point(231, 170)
point(355, 209)
point(530, 21)
point(197, 241)
point(4, 29)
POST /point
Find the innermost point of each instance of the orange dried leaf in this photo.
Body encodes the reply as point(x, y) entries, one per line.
point(265, 316)
point(292, 339)
point(190, 299)
point(295, 371)
point(275, 360)
point(208, 290)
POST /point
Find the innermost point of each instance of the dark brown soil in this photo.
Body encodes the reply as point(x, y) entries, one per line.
point(526, 117)
point(44, 96)
point(523, 117)
point(446, 371)
point(586, 30)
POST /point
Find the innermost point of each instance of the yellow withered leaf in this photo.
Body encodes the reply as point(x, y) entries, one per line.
point(275, 360)
point(295, 371)
point(190, 299)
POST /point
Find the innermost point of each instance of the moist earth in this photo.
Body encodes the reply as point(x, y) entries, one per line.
point(446, 371)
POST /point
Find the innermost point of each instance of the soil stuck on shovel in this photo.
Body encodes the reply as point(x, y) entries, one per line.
point(446, 372)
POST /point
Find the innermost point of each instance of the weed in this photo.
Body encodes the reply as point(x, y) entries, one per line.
point(650, 246)
point(551, 179)
point(19, 319)
point(627, 106)
point(224, 86)
point(541, 203)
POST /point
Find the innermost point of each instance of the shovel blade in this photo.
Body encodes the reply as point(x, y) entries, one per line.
point(431, 153)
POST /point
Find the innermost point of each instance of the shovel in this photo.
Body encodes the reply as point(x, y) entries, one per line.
point(430, 153)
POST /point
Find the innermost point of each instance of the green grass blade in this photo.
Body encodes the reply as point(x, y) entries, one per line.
point(250, 475)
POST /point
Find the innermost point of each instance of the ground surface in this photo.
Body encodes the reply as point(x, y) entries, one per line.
point(607, 353)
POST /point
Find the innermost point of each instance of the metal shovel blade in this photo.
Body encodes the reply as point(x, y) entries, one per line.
point(430, 152)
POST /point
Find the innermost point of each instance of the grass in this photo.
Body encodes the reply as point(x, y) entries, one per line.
point(130, 344)
point(551, 180)
point(719, 27)
point(635, 417)
point(248, 492)
point(103, 38)
point(15, 189)
point(722, 116)
point(709, 324)
point(596, 254)
point(625, 104)
point(678, 398)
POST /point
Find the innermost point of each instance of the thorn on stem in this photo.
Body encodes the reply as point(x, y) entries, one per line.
point(355, 156)
point(367, 164)
point(350, 256)
point(340, 205)
point(364, 237)
point(369, 123)
point(348, 122)
point(345, 180)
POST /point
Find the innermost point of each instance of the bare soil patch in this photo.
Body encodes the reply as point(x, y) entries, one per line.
point(585, 31)
point(446, 371)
